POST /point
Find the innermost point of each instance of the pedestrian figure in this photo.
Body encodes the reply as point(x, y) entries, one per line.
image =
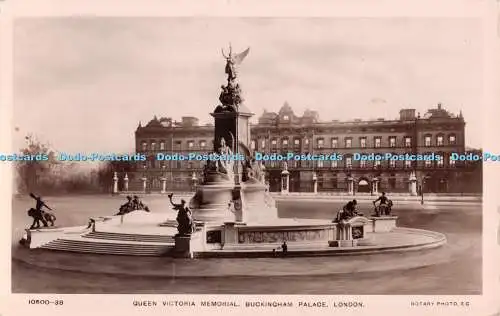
point(284, 248)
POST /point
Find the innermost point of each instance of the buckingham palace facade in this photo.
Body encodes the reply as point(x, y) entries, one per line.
point(437, 131)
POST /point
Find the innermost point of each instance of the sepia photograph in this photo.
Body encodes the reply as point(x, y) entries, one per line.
point(248, 156)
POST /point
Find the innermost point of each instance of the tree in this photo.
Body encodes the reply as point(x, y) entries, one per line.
point(33, 172)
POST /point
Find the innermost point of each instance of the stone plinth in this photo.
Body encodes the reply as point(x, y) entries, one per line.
point(383, 224)
point(256, 206)
point(211, 203)
point(349, 232)
point(186, 246)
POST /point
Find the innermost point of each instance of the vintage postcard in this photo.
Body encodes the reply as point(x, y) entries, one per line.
point(242, 157)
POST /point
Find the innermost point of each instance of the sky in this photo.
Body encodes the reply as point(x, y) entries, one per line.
point(83, 84)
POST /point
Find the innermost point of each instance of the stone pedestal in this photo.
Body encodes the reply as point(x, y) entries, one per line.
point(186, 246)
point(315, 183)
point(383, 224)
point(144, 184)
point(375, 182)
point(349, 232)
point(183, 247)
point(257, 204)
point(285, 181)
point(413, 184)
point(210, 202)
point(350, 186)
point(115, 183)
point(230, 234)
point(125, 183)
point(163, 185)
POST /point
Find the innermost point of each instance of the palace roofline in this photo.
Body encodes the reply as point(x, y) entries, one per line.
point(286, 117)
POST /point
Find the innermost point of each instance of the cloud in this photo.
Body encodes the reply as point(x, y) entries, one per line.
point(85, 83)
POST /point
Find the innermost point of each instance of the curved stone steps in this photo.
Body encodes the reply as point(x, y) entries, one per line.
point(130, 237)
point(113, 248)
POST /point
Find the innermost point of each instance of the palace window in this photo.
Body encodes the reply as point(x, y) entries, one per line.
point(286, 117)
point(407, 142)
point(392, 163)
point(320, 163)
point(377, 142)
point(348, 162)
point(440, 140)
point(362, 163)
point(451, 162)
point(153, 146)
point(408, 164)
point(362, 142)
point(273, 143)
point(162, 145)
point(427, 141)
point(428, 163)
point(452, 140)
point(348, 143)
point(263, 144)
point(190, 144)
point(284, 142)
point(296, 142)
point(392, 141)
point(306, 141)
point(376, 164)
point(144, 146)
point(178, 144)
point(320, 142)
point(440, 161)
point(335, 142)
point(203, 144)
point(334, 164)
point(252, 145)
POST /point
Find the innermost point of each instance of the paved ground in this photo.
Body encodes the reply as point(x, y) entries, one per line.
point(458, 270)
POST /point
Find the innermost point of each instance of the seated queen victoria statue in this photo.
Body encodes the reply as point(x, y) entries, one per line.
point(220, 169)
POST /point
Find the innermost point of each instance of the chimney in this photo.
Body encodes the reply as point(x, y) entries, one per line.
point(407, 114)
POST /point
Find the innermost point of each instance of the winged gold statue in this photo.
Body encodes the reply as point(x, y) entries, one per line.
point(232, 61)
